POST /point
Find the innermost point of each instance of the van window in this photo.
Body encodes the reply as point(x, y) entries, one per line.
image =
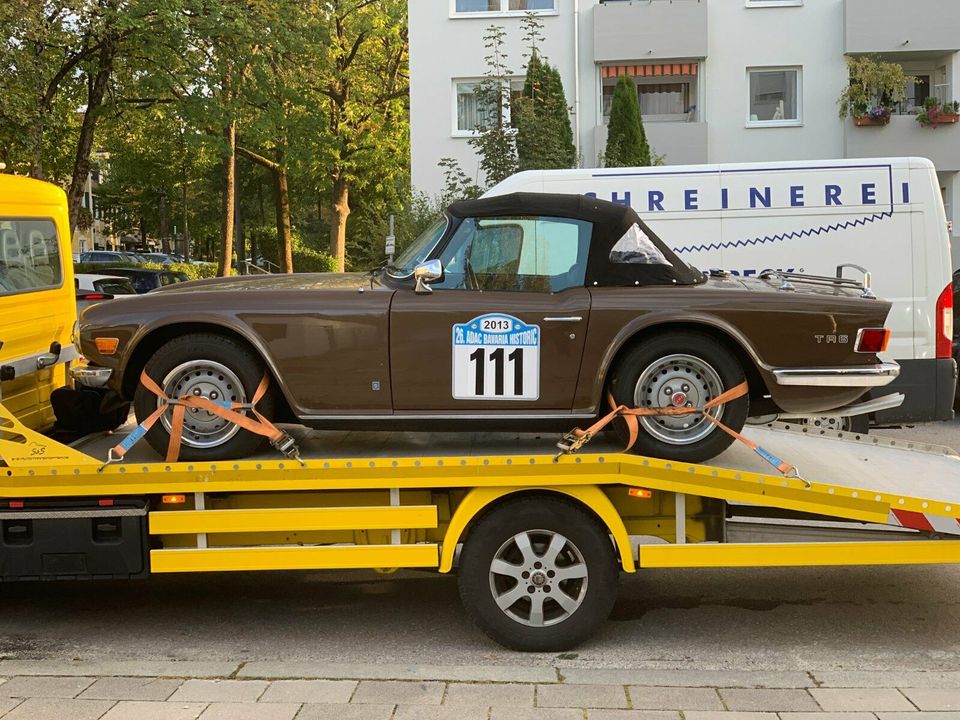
point(29, 256)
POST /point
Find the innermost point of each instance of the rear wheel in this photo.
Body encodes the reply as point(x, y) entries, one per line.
point(681, 369)
point(538, 574)
point(212, 366)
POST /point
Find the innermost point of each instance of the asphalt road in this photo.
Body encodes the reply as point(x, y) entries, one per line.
point(905, 618)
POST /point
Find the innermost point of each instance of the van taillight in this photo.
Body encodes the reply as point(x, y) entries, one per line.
point(945, 322)
point(872, 340)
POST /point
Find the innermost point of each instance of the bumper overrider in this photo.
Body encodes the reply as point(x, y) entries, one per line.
point(91, 375)
point(852, 376)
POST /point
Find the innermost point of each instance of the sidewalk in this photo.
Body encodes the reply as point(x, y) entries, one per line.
point(147, 690)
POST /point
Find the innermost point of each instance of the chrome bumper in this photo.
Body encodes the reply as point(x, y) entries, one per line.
point(854, 376)
point(91, 376)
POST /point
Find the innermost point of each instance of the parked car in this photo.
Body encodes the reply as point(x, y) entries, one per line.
point(92, 288)
point(160, 258)
point(110, 256)
point(146, 279)
point(515, 312)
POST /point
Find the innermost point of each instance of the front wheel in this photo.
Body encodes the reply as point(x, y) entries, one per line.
point(538, 574)
point(213, 366)
point(680, 369)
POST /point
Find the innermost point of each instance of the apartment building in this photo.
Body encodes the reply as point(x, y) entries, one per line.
point(718, 80)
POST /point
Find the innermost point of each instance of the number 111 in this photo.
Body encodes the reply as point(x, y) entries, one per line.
point(516, 357)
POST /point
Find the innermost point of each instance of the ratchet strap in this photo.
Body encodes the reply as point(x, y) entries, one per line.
point(230, 411)
point(577, 438)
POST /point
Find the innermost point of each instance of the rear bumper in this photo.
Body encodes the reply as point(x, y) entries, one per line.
point(864, 376)
point(91, 375)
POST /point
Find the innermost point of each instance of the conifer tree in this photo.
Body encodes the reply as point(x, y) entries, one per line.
point(626, 140)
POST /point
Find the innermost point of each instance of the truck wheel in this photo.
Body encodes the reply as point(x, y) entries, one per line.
point(538, 574)
point(218, 368)
point(680, 369)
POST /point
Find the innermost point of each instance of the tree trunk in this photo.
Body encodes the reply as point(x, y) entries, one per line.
point(227, 202)
point(185, 249)
point(238, 227)
point(164, 225)
point(96, 88)
point(284, 230)
point(143, 232)
point(338, 222)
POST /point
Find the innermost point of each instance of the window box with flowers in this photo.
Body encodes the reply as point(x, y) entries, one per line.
point(874, 88)
point(938, 113)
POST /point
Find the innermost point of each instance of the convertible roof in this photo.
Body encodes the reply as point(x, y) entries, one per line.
point(610, 222)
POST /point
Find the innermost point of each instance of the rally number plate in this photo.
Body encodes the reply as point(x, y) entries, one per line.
point(496, 357)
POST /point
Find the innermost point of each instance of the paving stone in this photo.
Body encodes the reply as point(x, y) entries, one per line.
point(131, 688)
point(887, 679)
point(714, 715)
point(581, 696)
point(141, 710)
point(386, 671)
point(337, 711)
point(487, 694)
point(48, 687)
point(440, 712)
point(929, 698)
point(830, 716)
point(399, 692)
point(918, 715)
point(674, 698)
point(219, 691)
point(58, 709)
point(850, 699)
point(7, 704)
point(509, 713)
point(688, 678)
point(250, 711)
point(309, 691)
point(764, 700)
point(633, 715)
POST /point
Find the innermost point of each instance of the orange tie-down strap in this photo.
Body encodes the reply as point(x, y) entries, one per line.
point(577, 438)
point(229, 411)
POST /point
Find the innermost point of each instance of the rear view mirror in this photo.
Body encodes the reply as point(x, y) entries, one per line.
point(425, 273)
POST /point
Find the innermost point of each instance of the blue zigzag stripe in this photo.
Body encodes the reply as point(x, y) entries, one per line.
point(822, 230)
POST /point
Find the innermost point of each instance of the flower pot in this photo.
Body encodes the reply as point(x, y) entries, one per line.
point(866, 120)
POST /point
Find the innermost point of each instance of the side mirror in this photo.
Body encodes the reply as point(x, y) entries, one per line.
point(425, 273)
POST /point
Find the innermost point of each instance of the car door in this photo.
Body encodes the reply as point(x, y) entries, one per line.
point(503, 330)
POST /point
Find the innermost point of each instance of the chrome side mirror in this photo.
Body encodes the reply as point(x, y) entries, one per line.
point(426, 273)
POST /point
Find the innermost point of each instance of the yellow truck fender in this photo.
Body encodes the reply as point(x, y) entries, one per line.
point(590, 496)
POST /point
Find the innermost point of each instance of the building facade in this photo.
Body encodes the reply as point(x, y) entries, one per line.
point(718, 80)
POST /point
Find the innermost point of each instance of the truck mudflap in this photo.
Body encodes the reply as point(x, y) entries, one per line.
point(870, 480)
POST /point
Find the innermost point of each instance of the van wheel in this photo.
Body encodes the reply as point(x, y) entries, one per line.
point(679, 369)
point(538, 574)
point(213, 366)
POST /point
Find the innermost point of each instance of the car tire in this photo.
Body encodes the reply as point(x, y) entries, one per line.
point(190, 363)
point(586, 548)
point(701, 367)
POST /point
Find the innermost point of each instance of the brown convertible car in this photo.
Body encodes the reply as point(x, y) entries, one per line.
point(514, 312)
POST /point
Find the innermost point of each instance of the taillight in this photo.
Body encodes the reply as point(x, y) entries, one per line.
point(945, 322)
point(872, 340)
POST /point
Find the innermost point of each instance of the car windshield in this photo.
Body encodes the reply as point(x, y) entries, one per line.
point(114, 286)
point(417, 251)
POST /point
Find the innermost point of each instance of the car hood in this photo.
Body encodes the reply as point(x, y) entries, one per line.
point(298, 281)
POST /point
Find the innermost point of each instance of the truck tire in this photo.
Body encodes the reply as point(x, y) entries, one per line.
point(538, 574)
point(679, 368)
point(217, 367)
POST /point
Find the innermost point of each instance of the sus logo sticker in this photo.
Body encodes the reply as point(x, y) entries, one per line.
point(496, 357)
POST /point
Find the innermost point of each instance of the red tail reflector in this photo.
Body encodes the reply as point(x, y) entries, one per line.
point(640, 493)
point(872, 340)
point(945, 322)
point(105, 502)
point(173, 499)
point(16, 504)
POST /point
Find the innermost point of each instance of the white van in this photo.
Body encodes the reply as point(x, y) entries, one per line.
point(884, 214)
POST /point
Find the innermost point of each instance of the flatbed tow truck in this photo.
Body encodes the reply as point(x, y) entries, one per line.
point(538, 540)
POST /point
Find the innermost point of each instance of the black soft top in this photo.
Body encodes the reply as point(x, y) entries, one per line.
point(610, 222)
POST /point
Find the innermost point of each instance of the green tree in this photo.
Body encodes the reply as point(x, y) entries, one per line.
point(626, 140)
point(495, 142)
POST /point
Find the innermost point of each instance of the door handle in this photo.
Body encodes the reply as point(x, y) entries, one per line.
point(567, 318)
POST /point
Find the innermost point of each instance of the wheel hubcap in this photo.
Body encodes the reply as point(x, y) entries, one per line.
point(538, 578)
point(209, 379)
point(678, 381)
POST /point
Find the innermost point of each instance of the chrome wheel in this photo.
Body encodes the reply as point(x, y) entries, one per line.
point(678, 381)
point(214, 381)
point(538, 578)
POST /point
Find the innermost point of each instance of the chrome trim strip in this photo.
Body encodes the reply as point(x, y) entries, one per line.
point(853, 376)
point(428, 416)
point(29, 364)
point(887, 402)
point(570, 318)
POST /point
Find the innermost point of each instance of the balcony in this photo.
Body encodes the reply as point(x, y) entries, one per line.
point(887, 26)
point(649, 30)
point(904, 137)
point(680, 143)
